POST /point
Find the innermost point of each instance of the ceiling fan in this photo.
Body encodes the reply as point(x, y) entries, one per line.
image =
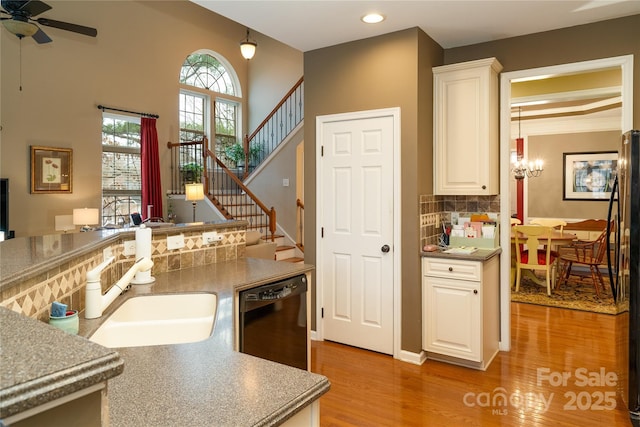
point(22, 24)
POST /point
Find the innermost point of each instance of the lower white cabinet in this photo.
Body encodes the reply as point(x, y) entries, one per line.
point(460, 310)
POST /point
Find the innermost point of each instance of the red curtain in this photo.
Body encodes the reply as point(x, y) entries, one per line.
point(151, 188)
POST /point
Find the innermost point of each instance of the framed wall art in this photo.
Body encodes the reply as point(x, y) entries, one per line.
point(51, 170)
point(589, 176)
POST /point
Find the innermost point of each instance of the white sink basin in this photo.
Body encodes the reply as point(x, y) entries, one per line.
point(159, 319)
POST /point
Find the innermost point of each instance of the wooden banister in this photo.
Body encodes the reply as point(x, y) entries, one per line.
point(275, 110)
point(270, 212)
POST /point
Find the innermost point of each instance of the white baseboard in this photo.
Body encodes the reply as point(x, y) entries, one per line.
point(415, 358)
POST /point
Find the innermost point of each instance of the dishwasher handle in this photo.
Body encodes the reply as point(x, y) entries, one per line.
point(276, 291)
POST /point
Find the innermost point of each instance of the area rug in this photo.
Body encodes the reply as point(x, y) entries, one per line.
point(576, 294)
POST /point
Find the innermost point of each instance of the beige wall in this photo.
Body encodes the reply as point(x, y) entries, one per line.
point(133, 64)
point(381, 72)
point(545, 192)
point(267, 184)
point(272, 73)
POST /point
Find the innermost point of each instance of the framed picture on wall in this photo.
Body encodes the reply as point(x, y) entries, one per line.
point(51, 170)
point(589, 176)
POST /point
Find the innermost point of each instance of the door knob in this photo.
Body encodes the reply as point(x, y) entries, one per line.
point(385, 248)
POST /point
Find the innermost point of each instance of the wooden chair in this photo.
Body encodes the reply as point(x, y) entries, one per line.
point(589, 254)
point(549, 222)
point(532, 236)
point(556, 224)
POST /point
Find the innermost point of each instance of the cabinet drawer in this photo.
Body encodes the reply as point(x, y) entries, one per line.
point(452, 268)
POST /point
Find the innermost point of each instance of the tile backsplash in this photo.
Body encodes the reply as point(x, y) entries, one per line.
point(436, 209)
point(66, 284)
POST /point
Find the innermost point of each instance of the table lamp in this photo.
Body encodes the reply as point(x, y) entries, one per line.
point(194, 192)
point(86, 217)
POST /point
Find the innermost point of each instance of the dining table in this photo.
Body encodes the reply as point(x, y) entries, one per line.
point(558, 238)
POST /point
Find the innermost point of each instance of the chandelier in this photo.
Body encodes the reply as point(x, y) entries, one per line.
point(521, 167)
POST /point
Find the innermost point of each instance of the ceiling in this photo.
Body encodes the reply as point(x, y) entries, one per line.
point(308, 25)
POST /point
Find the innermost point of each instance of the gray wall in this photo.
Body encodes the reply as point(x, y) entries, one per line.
point(393, 70)
point(545, 192)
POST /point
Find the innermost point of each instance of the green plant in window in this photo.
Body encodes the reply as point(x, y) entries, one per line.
point(235, 153)
point(191, 172)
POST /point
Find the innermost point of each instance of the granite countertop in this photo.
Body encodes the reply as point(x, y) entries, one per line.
point(40, 363)
point(23, 257)
point(202, 383)
point(207, 382)
point(479, 255)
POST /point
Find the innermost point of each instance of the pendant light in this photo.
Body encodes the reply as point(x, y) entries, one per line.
point(248, 47)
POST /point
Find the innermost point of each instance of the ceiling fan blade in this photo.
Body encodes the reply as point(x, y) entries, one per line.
point(41, 37)
point(80, 29)
point(29, 8)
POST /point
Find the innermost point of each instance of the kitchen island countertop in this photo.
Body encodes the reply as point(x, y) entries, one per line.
point(206, 382)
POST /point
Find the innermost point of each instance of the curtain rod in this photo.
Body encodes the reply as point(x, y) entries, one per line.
point(102, 107)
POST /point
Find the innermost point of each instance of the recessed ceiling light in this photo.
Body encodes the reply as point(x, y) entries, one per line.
point(372, 18)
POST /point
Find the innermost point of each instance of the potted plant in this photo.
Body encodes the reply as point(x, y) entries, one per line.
point(191, 172)
point(235, 153)
point(255, 152)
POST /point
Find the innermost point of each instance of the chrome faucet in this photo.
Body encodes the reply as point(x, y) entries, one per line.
point(95, 301)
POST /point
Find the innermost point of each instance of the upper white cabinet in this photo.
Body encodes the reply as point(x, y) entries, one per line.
point(466, 109)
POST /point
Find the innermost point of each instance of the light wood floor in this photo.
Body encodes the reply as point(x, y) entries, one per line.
point(371, 389)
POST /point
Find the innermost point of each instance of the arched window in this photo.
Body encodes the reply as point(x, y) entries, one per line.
point(210, 100)
point(205, 71)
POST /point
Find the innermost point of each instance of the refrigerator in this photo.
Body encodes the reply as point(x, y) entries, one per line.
point(623, 259)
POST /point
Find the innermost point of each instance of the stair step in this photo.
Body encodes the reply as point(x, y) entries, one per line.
point(293, 260)
point(283, 252)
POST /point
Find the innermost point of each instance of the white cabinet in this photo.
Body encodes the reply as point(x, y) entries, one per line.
point(460, 310)
point(465, 140)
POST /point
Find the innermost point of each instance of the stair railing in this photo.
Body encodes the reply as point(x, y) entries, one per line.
point(274, 129)
point(227, 191)
point(187, 163)
point(193, 161)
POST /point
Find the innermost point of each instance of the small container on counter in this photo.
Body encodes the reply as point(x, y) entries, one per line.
point(68, 323)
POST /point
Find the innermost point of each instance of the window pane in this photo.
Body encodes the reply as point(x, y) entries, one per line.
point(206, 72)
point(121, 171)
point(192, 116)
point(120, 133)
point(121, 181)
point(116, 210)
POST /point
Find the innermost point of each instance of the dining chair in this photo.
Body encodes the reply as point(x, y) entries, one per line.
point(553, 223)
point(533, 236)
point(588, 254)
point(549, 222)
point(515, 221)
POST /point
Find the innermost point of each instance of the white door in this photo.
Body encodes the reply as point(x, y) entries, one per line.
point(356, 242)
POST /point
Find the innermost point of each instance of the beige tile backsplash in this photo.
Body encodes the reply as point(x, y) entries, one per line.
point(66, 284)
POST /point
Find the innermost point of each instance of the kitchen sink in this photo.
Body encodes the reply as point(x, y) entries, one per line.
point(158, 320)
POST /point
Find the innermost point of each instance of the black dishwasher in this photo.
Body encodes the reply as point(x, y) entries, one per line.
point(273, 321)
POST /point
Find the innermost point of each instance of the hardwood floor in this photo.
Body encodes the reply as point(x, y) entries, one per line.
point(372, 389)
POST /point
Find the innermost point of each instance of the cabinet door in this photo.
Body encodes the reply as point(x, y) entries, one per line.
point(466, 128)
point(452, 317)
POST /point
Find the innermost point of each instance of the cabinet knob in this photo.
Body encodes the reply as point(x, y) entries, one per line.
point(475, 291)
point(484, 187)
point(450, 268)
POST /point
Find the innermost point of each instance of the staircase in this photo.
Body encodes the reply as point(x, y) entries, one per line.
point(286, 253)
point(225, 187)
